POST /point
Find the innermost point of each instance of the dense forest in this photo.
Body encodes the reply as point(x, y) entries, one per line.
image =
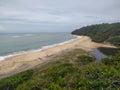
point(101, 33)
point(75, 70)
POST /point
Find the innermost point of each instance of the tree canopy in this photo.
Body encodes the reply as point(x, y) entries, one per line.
point(101, 33)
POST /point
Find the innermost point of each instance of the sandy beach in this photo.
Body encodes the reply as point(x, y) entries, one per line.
point(33, 58)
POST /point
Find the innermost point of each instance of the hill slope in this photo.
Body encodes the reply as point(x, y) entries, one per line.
point(75, 70)
point(101, 33)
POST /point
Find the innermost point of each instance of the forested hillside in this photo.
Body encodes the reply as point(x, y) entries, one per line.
point(101, 33)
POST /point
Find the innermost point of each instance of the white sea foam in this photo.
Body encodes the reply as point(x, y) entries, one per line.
point(28, 35)
point(2, 58)
point(12, 55)
point(16, 36)
point(24, 35)
point(37, 50)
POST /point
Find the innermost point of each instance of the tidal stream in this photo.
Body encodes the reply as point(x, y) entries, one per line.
point(97, 54)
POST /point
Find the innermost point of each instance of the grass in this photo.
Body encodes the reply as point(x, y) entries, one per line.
point(75, 70)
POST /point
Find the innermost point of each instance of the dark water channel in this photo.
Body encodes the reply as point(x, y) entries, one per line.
point(97, 54)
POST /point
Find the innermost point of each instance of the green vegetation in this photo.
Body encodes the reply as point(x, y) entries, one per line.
point(114, 40)
point(75, 70)
point(108, 51)
point(101, 33)
point(12, 82)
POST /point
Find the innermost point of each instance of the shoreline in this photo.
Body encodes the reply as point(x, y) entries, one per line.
point(31, 59)
point(4, 57)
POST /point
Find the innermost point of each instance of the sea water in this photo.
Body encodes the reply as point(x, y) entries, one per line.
point(13, 43)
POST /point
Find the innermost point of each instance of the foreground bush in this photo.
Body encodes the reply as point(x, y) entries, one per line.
point(13, 81)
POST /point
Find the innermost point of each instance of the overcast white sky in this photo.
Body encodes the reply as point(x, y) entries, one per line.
point(55, 15)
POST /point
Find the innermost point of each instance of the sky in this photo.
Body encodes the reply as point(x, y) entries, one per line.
point(19, 16)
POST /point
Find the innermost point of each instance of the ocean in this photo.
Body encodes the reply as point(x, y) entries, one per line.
point(14, 44)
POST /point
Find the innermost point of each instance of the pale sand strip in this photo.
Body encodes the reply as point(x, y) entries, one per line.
point(31, 59)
